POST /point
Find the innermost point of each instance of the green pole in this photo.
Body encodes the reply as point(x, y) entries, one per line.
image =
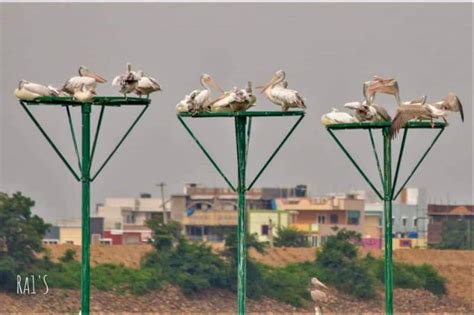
point(240, 123)
point(387, 153)
point(85, 179)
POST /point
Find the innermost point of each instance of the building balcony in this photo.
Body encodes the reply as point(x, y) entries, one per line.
point(211, 218)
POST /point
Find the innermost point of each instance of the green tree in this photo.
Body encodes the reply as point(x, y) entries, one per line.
point(457, 235)
point(165, 236)
point(22, 234)
point(290, 237)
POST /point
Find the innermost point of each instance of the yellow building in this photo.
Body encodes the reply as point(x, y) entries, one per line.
point(264, 222)
point(70, 235)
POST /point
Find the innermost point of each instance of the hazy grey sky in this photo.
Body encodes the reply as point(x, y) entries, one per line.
point(327, 51)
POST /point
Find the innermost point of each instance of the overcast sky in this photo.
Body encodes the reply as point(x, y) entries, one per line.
point(327, 51)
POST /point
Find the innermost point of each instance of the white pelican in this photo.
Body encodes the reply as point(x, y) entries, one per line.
point(237, 100)
point(378, 84)
point(28, 91)
point(336, 116)
point(146, 85)
point(84, 95)
point(278, 94)
point(86, 77)
point(185, 104)
point(202, 98)
point(366, 112)
point(419, 111)
point(127, 81)
point(450, 103)
point(318, 295)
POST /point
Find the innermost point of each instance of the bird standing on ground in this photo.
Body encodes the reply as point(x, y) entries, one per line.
point(278, 94)
point(127, 81)
point(86, 77)
point(380, 85)
point(28, 91)
point(146, 85)
point(318, 295)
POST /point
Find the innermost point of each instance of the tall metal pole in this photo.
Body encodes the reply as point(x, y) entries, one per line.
point(86, 236)
point(387, 155)
point(162, 189)
point(240, 126)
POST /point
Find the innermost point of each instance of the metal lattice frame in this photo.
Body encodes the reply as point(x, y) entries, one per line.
point(243, 125)
point(389, 187)
point(85, 159)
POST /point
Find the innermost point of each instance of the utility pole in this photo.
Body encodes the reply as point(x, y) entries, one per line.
point(162, 189)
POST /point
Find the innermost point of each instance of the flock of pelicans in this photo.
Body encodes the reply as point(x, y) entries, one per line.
point(417, 109)
point(83, 89)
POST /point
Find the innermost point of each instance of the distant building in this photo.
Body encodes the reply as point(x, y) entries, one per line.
point(208, 213)
point(52, 235)
point(372, 235)
point(127, 217)
point(409, 218)
point(317, 216)
point(440, 214)
point(265, 223)
point(70, 232)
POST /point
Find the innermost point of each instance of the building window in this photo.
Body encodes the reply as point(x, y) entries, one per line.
point(415, 222)
point(70, 242)
point(333, 218)
point(264, 230)
point(130, 218)
point(404, 221)
point(321, 219)
point(353, 217)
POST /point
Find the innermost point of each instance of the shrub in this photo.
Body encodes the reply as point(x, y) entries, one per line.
point(68, 256)
point(290, 237)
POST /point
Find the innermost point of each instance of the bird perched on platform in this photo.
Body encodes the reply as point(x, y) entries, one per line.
point(336, 116)
point(86, 77)
point(185, 104)
point(366, 112)
point(318, 295)
point(146, 85)
point(200, 100)
point(85, 95)
point(380, 85)
point(277, 93)
point(450, 103)
point(237, 100)
point(420, 111)
point(127, 81)
point(28, 91)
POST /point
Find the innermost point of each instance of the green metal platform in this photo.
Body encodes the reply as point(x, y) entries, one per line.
point(243, 124)
point(389, 191)
point(85, 158)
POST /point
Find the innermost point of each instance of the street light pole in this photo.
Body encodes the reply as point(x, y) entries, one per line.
point(162, 189)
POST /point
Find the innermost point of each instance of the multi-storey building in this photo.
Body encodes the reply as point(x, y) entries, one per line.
point(317, 216)
point(207, 213)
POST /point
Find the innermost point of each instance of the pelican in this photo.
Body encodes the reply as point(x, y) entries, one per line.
point(378, 84)
point(85, 95)
point(336, 116)
point(366, 112)
point(202, 98)
point(419, 111)
point(146, 85)
point(318, 295)
point(185, 104)
point(28, 91)
point(237, 100)
point(86, 77)
point(278, 94)
point(127, 81)
point(450, 103)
